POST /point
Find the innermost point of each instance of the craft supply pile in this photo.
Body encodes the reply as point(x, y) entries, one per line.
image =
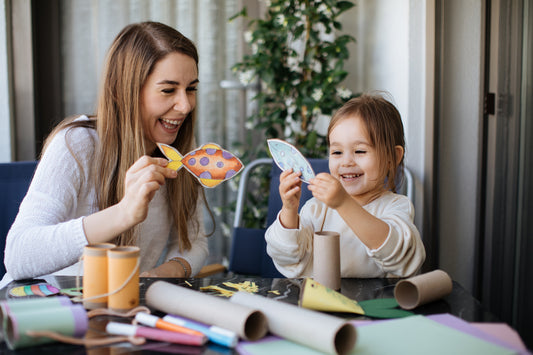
point(229, 315)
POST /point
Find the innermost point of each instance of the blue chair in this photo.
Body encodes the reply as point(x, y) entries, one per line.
point(15, 179)
point(248, 248)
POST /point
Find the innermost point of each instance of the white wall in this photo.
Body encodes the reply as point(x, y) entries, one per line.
point(5, 103)
point(460, 136)
point(395, 52)
point(390, 54)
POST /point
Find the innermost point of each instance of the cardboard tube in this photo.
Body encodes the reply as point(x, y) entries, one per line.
point(66, 320)
point(326, 259)
point(17, 305)
point(95, 275)
point(123, 278)
point(421, 289)
point(317, 330)
point(246, 321)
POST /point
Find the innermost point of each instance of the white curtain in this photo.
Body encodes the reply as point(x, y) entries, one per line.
point(89, 27)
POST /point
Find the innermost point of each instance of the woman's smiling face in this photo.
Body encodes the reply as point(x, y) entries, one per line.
point(167, 98)
point(353, 160)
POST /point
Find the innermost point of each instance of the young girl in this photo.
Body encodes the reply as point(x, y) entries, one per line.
point(102, 179)
point(377, 235)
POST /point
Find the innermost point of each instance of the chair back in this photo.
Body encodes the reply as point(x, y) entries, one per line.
point(248, 247)
point(15, 179)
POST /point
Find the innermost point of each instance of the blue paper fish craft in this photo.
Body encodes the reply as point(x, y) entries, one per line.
point(210, 164)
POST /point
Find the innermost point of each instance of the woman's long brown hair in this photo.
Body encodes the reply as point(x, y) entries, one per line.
point(130, 60)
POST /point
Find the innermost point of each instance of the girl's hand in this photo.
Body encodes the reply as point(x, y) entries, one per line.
point(328, 190)
point(168, 269)
point(290, 190)
point(142, 181)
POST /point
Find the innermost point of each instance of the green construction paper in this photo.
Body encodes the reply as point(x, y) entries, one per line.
point(419, 335)
point(278, 346)
point(383, 308)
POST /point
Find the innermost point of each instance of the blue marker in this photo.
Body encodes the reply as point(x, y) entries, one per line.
point(215, 334)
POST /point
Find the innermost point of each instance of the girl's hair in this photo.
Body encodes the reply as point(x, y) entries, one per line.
point(385, 129)
point(130, 60)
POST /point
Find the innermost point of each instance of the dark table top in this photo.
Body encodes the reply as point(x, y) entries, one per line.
point(459, 303)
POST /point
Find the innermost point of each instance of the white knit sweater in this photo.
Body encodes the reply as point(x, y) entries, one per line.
point(47, 235)
point(401, 254)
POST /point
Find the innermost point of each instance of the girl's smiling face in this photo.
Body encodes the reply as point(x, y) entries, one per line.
point(353, 160)
point(167, 98)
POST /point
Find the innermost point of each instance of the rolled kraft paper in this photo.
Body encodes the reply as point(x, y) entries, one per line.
point(123, 264)
point(68, 320)
point(22, 305)
point(317, 330)
point(421, 289)
point(246, 321)
point(326, 259)
point(95, 275)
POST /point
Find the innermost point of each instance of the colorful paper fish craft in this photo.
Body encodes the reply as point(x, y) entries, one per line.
point(210, 164)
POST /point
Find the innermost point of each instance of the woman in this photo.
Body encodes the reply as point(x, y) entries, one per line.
point(102, 179)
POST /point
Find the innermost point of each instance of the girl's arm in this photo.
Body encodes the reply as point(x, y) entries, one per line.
point(371, 230)
point(292, 249)
point(290, 192)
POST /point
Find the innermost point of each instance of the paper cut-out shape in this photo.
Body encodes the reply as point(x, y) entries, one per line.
point(40, 290)
point(287, 156)
point(321, 298)
point(210, 164)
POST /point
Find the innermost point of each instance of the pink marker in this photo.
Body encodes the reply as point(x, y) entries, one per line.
point(155, 334)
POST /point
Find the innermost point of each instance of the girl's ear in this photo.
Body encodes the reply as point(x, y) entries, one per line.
point(399, 154)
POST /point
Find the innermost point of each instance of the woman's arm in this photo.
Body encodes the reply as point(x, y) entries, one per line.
point(185, 263)
point(47, 234)
point(143, 180)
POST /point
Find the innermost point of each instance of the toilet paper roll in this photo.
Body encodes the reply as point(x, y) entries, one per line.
point(123, 278)
point(421, 289)
point(95, 275)
point(66, 320)
point(246, 321)
point(317, 330)
point(30, 304)
point(326, 259)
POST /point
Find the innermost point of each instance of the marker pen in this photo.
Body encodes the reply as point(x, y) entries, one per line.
point(154, 334)
point(215, 334)
point(156, 322)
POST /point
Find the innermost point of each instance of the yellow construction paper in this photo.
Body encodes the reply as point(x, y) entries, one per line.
point(321, 298)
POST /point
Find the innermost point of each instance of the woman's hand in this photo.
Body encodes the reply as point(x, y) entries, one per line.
point(142, 181)
point(328, 190)
point(290, 190)
point(171, 268)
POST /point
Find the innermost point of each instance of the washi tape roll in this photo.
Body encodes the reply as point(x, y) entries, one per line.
point(123, 278)
point(31, 304)
point(95, 275)
point(319, 331)
point(69, 320)
point(246, 321)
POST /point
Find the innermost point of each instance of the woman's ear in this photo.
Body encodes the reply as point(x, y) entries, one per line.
point(399, 154)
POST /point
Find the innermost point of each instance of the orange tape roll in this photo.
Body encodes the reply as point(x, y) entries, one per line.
point(95, 275)
point(123, 278)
